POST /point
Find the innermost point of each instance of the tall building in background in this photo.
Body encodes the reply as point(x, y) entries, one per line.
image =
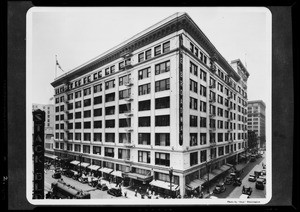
point(257, 120)
point(165, 101)
point(49, 126)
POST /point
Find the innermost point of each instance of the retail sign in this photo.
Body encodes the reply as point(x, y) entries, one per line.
point(38, 154)
point(180, 91)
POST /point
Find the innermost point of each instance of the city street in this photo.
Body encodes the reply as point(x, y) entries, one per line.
point(236, 191)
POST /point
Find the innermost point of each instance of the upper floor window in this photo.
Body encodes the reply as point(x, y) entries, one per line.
point(144, 121)
point(144, 89)
point(144, 73)
point(162, 139)
point(162, 120)
point(87, 91)
point(124, 79)
point(97, 88)
point(144, 138)
point(141, 57)
point(162, 159)
point(193, 158)
point(193, 86)
point(109, 84)
point(166, 47)
point(162, 67)
point(148, 54)
point(163, 102)
point(110, 97)
point(144, 105)
point(77, 94)
point(193, 69)
point(157, 50)
point(162, 85)
point(124, 93)
point(144, 156)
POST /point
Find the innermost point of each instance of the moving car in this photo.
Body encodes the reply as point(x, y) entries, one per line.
point(252, 178)
point(260, 184)
point(220, 188)
point(247, 190)
point(115, 192)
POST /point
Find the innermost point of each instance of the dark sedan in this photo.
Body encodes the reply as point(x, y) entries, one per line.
point(220, 188)
point(115, 192)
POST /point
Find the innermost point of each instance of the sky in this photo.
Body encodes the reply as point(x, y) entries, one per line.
point(77, 35)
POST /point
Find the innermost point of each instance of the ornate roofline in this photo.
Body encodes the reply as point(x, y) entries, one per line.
point(168, 26)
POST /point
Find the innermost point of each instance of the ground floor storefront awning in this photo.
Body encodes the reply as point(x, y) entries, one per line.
point(117, 173)
point(75, 162)
point(210, 176)
point(225, 167)
point(137, 176)
point(106, 170)
point(217, 172)
point(240, 167)
point(83, 164)
point(51, 156)
point(164, 185)
point(195, 184)
point(94, 167)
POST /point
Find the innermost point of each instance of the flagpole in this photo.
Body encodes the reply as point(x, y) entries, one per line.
point(55, 66)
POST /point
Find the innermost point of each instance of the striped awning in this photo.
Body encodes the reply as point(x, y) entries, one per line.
point(106, 170)
point(217, 172)
point(139, 176)
point(165, 185)
point(224, 167)
point(94, 167)
point(75, 162)
point(117, 173)
point(196, 183)
point(82, 164)
point(50, 156)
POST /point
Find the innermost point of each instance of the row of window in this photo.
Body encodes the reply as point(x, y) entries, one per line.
point(213, 136)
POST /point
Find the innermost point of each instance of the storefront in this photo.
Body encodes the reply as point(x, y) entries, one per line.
point(50, 158)
point(165, 188)
point(74, 165)
point(138, 180)
point(95, 170)
point(117, 176)
point(106, 173)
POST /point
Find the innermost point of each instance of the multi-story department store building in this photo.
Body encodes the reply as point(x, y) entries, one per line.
point(163, 100)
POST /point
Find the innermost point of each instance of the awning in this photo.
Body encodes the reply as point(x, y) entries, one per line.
point(211, 176)
point(75, 162)
point(82, 164)
point(94, 167)
point(217, 172)
point(239, 167)
point(117, 173)
point(224, 168)
point(196, 183)
point(139, 176)
point(106, 170)
point(50, 156)
point(165, 185)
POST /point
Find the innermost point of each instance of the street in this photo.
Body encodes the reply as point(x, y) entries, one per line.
point(236, 191)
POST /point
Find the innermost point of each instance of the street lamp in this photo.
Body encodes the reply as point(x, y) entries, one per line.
point(171, 175)
point(207, 170)
point(80, 157)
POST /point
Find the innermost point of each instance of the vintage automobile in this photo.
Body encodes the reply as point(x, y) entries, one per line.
point(220, 188)
point(263, 178)
point(76, 176)
point(260, 184)
point(115, 192)
point(244, 196)
point(247, 190)
point(252, 158)
point(252, 178)
point(93, 181)
point(57, 175)
point(102, 187)
point(228, 180)
point(237, 182)
point(68, 173)
point(263, 172)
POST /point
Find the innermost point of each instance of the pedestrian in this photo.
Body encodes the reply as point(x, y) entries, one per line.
point(125, 194)
point(135, 192)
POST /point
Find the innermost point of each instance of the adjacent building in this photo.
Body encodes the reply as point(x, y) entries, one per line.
point(49, 127)
point(257, 120)
point(165, 101)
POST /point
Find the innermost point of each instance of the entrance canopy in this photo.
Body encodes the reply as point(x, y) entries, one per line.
point(164, 185)
point(75, 162)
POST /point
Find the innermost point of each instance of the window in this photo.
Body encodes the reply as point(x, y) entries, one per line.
point(110, 97)
point(193, 86)
point(192, 47)
point(144, 156)
point(109, 84)
point(57, 109)
point(87, 91)
point(202, 138)
point(193, 121)
point(162, 120)
point(110, 123)
point(77, 115)
point(110, 110)
point(148, 54)
point(121, 65)
point(193, 158)
point(70, 96)
point(70, 147)
point(97, 100)
point(87, 102)
point(162, 85)
point(97, 88)
point(144, 89)
point(78, 104)
point(77, 125)
point(87, 125)
point(62, 108)
point(144, 138)
point(77, 136)
point(144, 105)
point(125, 122)
point(97, 124)
point(163, 102)
point(100, 74)
point(193, 69)
point(202, 106)
point(202, 122)
point(162, 67)
point(203, 156)
point(124, 154)
point(87, 114)
point(110, 137)
point(77, 94)
point(157, 50)
point(144, 121)
point(70, 106)
point(87, 137)
point(193, 103)
point(221, 150)
point(220, 137)
point(162, 159)
point(144, 73)
point(202, 90)
point(124, 138)
point(124, 79)
point(162, 139)
point(96, 150)
point(97, 137)
point(193, 139)
point(109, 152)
point(203, 75)
point(98, 112)
point(112, 69)
point(166, 47)
point(124, 108)
point(141, 57)
point(124, 93)
point(70, 126)
point(107, 71)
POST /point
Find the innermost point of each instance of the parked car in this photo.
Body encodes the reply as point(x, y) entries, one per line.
point(263, 172)
point(247, 190)
point(263, 178)
point(115, 192)
point(252, 178)
point(237, 182)
point(68, 173)
point(102, 187)
point(228, 180)
point(260, 184)
point(252, 158)
point(220, 188)
point(57, 175)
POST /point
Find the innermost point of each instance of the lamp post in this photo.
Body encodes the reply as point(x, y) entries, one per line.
point(80, 158)
point(207, 170)
point(171, 175)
